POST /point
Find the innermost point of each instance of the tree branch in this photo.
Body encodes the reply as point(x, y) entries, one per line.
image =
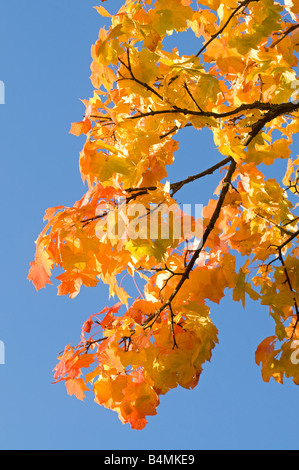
point(285, 34)
point(273, 113)
point(175, 187)
point(294, 235)
point(176, 110)
point(129, 68)
point(280, 256)
point(242, 5)
point(226, 184)
point(274, 110)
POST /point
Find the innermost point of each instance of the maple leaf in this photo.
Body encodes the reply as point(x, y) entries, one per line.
point(38, 275)
point(76, 387)
point(82, 127)
point(241, 85)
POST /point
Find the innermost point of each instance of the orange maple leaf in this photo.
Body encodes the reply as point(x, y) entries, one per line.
point(81, 127)
point(76, 387)
point(38, 275)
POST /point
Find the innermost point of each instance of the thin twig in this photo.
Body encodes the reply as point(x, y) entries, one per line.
point(175, 187)
point(290, 287)
point(192, 97)
point(129, 68)
point(172, 327)
point(242, 5)
point(274, 110)
point(226, 185)
point(284, 35)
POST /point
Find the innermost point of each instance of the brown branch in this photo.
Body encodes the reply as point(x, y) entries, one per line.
point(273, 113)
point(279, 227)
point(288, 280)
point(129, 68)
point(294, 235)
point(172, 327)
point(192, 97)
point(242, 5)
point(274, 110)
point(175, 187)
point(176, 110)
point(280, 256)
point(88, 344)
point(226, 184)
point(85, 222)
point(142, 189)
point(291, 221)
point(262, 85)
point(170, 277)
point(284, 35)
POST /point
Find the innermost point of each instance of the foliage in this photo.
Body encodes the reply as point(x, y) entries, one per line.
point(240, 82)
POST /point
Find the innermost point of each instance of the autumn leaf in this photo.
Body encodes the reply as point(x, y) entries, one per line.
point(38, 275)
point(82, 127)
point(237, 81)
point(76, 387)
point(102, 11)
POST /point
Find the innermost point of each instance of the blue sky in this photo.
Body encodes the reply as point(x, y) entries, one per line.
point(45, 65)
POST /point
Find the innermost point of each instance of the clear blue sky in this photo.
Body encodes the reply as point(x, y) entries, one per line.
point(45, 65)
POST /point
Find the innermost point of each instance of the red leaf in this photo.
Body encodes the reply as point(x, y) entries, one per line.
point(76, 387)
point(38, 275)
point(82, 127)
